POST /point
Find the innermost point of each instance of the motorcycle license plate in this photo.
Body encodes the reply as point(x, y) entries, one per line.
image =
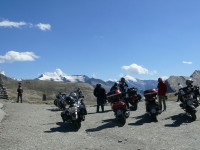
point(119, 112)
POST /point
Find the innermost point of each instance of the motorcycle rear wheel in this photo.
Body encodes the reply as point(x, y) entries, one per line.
point(193, 115)
point(122, 120)
point(154, 117)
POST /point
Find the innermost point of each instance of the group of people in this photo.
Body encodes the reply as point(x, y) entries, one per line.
point(100, 93)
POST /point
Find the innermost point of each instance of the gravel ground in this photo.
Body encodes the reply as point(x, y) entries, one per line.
point(39, 127)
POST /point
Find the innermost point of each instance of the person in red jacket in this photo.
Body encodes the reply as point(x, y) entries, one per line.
point(162, 90)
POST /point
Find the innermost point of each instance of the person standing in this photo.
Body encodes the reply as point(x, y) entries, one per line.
point(100, 94)
point(19, 93)
point(162, 90)
point(123, 85)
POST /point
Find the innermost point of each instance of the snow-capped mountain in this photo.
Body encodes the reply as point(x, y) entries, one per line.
point(58, 75)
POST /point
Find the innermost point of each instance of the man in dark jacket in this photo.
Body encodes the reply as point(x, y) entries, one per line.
point(162, 89)
point(19, 91)
point(100, 94)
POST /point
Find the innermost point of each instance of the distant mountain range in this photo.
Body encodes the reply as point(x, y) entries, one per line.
point(141, 85)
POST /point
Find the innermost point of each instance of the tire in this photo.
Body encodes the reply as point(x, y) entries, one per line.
point(193, 115)
point(55, 102)
point(77, 124)
point(136, 106)
point(122, 120)
point(154, 117)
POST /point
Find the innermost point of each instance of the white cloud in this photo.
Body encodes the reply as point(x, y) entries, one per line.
point(43, 26)
point(136, 69)
point(13, 56)
point(187, 62)
point(12, 24)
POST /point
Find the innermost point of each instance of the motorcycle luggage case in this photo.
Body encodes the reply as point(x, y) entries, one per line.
point(150, 93)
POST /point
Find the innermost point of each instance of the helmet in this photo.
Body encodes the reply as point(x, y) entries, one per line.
point(122, 79)
point(189, 82)
point(98, 85)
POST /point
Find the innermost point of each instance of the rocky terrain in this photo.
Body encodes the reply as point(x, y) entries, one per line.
point(39, 127)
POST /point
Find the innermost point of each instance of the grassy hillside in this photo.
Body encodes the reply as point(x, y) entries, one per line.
point(35, 89)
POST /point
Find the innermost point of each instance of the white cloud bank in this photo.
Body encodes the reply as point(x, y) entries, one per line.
point(187, 62)
point(136, 69)
point(13, 56)
point(12, 24)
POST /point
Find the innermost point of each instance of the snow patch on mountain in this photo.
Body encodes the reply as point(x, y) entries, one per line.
point(59, 75)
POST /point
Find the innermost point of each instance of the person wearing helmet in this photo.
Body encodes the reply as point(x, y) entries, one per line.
point(100, 93)
point(189, 82)
point(162, 90)
point(122, 87)
point(122, 84)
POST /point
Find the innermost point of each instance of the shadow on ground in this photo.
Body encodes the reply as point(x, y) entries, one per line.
point(105, 111)
point(62, 127)
point(108, 123)
point(142, 119)
point(179, 120)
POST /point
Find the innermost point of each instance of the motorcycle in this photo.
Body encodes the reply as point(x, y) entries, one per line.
point(151, 104)
point(118, 105)
point(76, 112)
point(60, 101)
point(188, 103)
point(133, 98)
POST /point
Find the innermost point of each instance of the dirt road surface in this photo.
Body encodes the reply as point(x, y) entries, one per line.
point(40, 127)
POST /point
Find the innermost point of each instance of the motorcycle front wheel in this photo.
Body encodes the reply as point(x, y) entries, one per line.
point(77, 124)
point(193, 115)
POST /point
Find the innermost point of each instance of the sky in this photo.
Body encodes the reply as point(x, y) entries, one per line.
point(105, 39)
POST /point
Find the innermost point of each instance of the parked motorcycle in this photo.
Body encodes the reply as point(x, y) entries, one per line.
point(60, 101)
point(188, 102)
point(118, 106)
point(133, 98)
point(151, 104)
point(76, 112)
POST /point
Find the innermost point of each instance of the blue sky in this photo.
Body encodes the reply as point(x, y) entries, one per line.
point(106, 39)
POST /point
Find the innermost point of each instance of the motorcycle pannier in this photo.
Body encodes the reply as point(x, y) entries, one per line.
point(150, 93)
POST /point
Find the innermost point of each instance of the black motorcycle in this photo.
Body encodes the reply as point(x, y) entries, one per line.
point(151, 104)
point(188, 103)
point(133, 98)
point(76, 112)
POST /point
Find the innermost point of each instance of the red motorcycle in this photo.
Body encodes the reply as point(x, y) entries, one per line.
point(151, 104)
point(118, 106)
